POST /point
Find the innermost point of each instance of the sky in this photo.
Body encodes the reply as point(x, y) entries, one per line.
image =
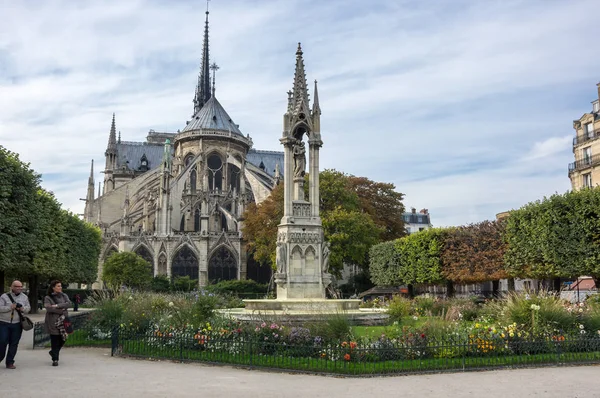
point(467, 107)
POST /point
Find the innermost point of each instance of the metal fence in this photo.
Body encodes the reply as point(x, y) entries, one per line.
point(85, 334)
point(379, 357)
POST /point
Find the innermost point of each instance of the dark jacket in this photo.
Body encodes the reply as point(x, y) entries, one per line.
point(52, 313)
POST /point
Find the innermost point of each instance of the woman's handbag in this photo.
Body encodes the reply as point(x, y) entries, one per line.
point(26, 323)
point(67, 323)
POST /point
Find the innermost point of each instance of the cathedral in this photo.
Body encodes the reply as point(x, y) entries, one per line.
point(178, 199)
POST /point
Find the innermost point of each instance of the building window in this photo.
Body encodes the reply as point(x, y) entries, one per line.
point(587, 155)
point(587, 180)
point(420, 219)
point(596, 106)
point(589, 130)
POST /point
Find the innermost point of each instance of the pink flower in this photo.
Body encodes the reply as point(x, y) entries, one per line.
point(262, 325)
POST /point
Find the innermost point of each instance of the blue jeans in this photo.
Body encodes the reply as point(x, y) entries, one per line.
point(10, 334)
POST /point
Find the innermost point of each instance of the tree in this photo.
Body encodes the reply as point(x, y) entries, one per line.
point(350, 230)
point(260, 226)
point(382, 203)
point(127, 268)
point(18, 187)
point(384, 264)
point(556, 237)
point(474, 253)
point(420, 257)
point(351, 235)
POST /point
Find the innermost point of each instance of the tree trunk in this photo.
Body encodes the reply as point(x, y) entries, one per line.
point(511, 284)
point(556, 284)
point(449, 289)
point(496, 288)
point(596, 282)
point(2, 282)
point(33, 293)
point(411, 291)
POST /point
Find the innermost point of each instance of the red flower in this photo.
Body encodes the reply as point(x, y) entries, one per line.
point(347, 357)
point(422, 335)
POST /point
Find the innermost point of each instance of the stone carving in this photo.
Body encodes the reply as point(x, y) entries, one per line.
point(304, 237)
point(281, 259)
point(301, 210)
point(299, 159)
point(325, 262)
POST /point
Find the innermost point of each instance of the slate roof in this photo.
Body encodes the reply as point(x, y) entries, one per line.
point(416, 218)
point(212, 116)
point(268, 159)
point(129, 154)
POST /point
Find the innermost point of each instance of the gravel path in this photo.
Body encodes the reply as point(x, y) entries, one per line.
point(92, 372)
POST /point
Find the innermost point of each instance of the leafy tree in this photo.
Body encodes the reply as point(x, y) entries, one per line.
point(420, 257)
point(260, 226)
point(558, 236)
point(18, 187)
point(474, 253)
point(382, 203)
point(349, 228)
point(384, 264)
point(351, 235)
point(82, 249)
point(127, 268)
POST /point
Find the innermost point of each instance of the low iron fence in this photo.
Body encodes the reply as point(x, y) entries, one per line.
point(86, 333)
point(378, 357)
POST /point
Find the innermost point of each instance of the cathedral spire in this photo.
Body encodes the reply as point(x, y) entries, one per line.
point(300, 90)
point(112, 137)
point(203, 86)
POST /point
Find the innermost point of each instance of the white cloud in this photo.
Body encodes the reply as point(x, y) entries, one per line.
point(466, 106)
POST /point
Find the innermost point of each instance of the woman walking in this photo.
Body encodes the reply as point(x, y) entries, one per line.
point(56, 304)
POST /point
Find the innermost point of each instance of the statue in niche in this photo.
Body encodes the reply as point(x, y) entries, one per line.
point(299, 158)
point(281, 257)
point(326, 252)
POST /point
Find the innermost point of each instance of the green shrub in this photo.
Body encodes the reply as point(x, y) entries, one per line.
point(398, 308)
point(184, 284)
point(423, 305)
point(242, 288)
point(160, 284)
point(331, 327)
point(537, 312)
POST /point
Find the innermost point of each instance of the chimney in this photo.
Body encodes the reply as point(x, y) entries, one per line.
point(598, 86)
point(413, 210)
point(424, 211)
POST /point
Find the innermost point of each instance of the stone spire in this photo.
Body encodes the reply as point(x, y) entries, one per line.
point(300, 90)
point(89, 199)
point(203, 86)
point(110, 157)
point(112, 138)
point(316, 109)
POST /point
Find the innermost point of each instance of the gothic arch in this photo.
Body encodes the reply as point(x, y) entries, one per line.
point(187, 159)
point(110, 250)
point(144, 252)
point(223, 265)
point(215, 167)
point(300, 129)
point(310, 250)
point(185, 262)
point(162, 264)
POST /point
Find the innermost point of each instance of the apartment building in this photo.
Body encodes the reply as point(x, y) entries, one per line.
point(585, 171)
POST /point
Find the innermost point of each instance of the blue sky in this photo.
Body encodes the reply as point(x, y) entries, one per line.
point(466, 106)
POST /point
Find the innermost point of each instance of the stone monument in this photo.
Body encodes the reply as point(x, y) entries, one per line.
point(302, 256)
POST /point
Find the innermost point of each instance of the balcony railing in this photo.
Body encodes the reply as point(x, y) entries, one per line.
point(584, 163)
point(585, 137)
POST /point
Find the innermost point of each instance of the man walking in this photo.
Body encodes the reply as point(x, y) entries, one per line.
point(12, 304)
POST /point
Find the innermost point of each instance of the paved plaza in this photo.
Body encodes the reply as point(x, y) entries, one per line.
point(92, 372)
